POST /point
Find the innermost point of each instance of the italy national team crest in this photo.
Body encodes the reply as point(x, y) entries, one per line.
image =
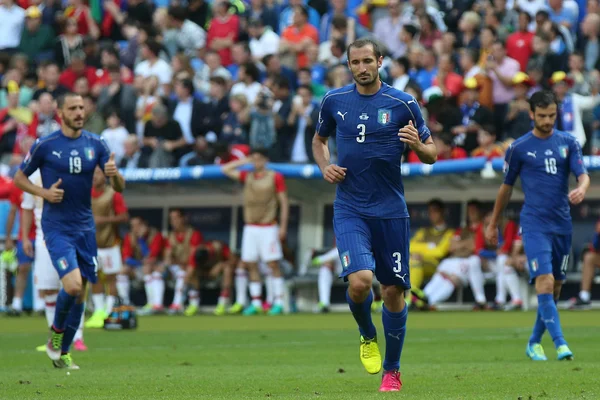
point(89, 153)
point(534, 264)
point(563, 151)
point(62, 263)
point(345, 257)
point(384, 116)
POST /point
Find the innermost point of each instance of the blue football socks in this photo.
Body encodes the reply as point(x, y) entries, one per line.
point(362, 315)
point(394, 327)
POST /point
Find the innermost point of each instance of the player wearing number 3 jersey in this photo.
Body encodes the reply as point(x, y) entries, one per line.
point(544, 158)
point(372, 123)
point(67, 160)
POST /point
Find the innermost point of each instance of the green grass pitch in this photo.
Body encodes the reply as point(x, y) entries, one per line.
point(449, 355)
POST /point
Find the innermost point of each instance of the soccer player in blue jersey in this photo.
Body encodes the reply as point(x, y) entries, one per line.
point(372, 123)
point(67, 160)
point(544, 158)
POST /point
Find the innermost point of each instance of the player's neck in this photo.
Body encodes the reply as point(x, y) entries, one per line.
point(71, 133)
point(369, 89)
point(542, 135)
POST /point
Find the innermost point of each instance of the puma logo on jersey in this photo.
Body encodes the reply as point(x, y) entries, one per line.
point(401, 277)
point(342, 115)
point(532, 154)
point(411, 101)
point(57, 153)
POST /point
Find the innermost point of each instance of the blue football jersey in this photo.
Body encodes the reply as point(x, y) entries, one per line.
point(73, 161)
point(544, 166)
point(366, 132)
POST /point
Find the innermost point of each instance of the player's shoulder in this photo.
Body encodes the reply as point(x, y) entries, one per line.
point(565, 136)
point(397, 94)
point(338, 94)
point(48, 139)
point(92, 136)
point(520, 143)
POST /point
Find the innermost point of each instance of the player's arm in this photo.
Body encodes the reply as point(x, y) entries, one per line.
point(109, 167)
point(284, 205)
point(417, 136)
point(230, 169)
point(10, 222)
point(577, 195)
point(27, 206)
point(325, 126)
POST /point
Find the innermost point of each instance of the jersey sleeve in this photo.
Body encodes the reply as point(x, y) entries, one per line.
point(119, 206)
point(196, 239)
point(156, 246)
point(243, 176)
point(103, 153)
point(279, 183)
point(126, 251)
point(34, 159)
point(512, 166)
point(28, 202)
point(326, 125)
point(419, 121)
point(576, 159)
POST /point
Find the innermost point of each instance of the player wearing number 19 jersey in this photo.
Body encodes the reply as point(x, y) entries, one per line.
point(544, 159)
point(372, 123)
point(67, 160)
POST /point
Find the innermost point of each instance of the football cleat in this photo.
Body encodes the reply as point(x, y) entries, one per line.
point(252, 310)
point(54, 344)
point(390, 381)
point(564, 353)
point(535, 351)
point(220, 310)
point(191, 310)
point(276, 310)
point(237, 308)
point(96, 320)
point(369, 355)
point(65, 361)
point(78, 345)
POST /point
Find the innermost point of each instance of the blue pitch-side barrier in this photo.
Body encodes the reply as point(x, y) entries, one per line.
point(311, 171)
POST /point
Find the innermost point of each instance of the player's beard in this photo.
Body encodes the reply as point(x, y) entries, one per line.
point(74, 124)
point(545, 129)
point(363, 81)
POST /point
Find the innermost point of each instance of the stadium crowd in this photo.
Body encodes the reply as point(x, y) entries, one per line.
point(192, 83)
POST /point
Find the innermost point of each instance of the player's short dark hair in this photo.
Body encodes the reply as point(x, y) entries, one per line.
point(437, 203)
point(178, 13)
point(251, 70)
point(362, 43)
point(403, 61)
point(542, 99)
point(154, 47)
point(60, 102)
point(178, 211)
point(261, 151)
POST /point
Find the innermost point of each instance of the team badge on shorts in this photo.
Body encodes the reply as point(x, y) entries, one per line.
point(62, 263)
point(564, 151)
point(384, 116)
point(534, 264)
point(345, 259)
point(89, 153)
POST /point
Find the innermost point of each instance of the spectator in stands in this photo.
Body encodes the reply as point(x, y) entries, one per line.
point(262, 132)
point(487, 37)
point(486, 138)
point(212, 68)
point(226, 153)
point(249, 84)
point(182, 67)
point(45, 120)
point(82, 87)
point(518, 118)
point(82, 14)
point(274, 68)
point(199, 12)
point(13, 19)
point(25, 93)
point(588, 43)
point(296, 39)
point(187, 110)
point(474, 116)
point(37, 40)
point(544, 59)
point(581, 78)
point(223, 31)
point(240, 54)
point(163, 140)
point(446, 149)
point(14, 120)
point(399, 74)
point(94, 122)
point(429, 245)
point(266, 11)
point(77, 68)
point(304, 118)
point(109, 56)
point(449, 82)
point(203, 152)
point(190, 37)
point(120, 97)
point(287, 16)
point(133, 156)
point(153, 65)
point(215, 109)
point(69, 42)
point(387, 30)
point(519, 45)
point(115, 134)
point(429, 32)
point(236, 123)
point(145, 102)
point(263, 41)
point(50, 77)
point(427, 69)
point(468, 26)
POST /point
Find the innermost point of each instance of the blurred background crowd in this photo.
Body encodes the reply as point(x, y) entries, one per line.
point(192, 83)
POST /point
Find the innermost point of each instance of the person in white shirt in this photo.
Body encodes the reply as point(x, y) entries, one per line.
point(115, 135)
point(153, 65)
point(248, 84)
point(190, 37)
point(13, 19)
point(264, 41)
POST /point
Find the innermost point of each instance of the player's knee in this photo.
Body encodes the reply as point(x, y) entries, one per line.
point(391, 293)
point(359, 285)
point(73, 288)
point(591, 259)
point(274, 267)
point(544, 284)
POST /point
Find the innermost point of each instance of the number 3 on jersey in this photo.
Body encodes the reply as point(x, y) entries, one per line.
point(361, 133)
point(74, 165)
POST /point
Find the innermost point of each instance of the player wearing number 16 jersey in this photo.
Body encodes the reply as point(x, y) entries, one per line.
point(372, 123)
point(544, 158)
point(67, 160)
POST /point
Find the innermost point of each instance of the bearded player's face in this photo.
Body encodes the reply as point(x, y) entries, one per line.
point(364, 65)
point(72, 112)
point(544, 118)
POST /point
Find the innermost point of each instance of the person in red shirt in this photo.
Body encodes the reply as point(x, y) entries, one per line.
point(142, 247)
point(179, 246)
point(227, 153)
point(110, 211)
point(298, 37)
point(109, 57)
point(447, 80)
point(81, 13)
point(486, 138)
point(24, 250)
point(519, 45)
point(223, 32)
point(77, 69)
